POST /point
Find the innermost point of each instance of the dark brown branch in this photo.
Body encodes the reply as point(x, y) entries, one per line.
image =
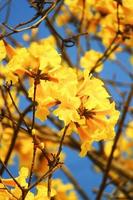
point(118, 133)
point(15, 134)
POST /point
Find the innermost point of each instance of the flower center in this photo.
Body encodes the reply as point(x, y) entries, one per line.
point(86, 113)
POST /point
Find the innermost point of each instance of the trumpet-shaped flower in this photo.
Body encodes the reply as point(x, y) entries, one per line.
point(91, 111)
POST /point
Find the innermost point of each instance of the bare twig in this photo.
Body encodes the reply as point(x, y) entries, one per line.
point(118, 133)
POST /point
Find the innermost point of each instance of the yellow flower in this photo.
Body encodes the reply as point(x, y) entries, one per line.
point(5, 140)
point(31, 61)
point(64, 18)
point(108, 146)
point(50, 40)
point(129, 130)
point(90, 59)
point(127, 4)
point(2, 50)
point(42, 192)
point(46, 97)
point(4, 195)
point(59, 190)
point(19, 62)
point(16, 191)
point(90, 110)
point(48, 58)
point(105, 6)
point(54, 94)
point(75, 8)
point(67, 110)
point(97, 113)
point(69, 102)
point(99, 125)
point(63, 191)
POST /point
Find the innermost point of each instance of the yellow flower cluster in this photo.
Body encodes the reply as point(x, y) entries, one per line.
point(100, 18)
point(59, 190)
point(124, 150)
point(23, 148)
point(79, 100)
point(90, 59)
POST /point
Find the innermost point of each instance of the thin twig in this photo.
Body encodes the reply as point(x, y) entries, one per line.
point(10, 174)
point(118, 133)
point(32, 164)
point(74, 182)
point(35, 25)
point(14, 138)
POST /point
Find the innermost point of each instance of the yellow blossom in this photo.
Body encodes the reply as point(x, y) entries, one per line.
point(105, 6)
point(19, 61)
point(90, 110)
point(2, 50)
point(90, 59)
point(44, 53)
point(127, 3)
